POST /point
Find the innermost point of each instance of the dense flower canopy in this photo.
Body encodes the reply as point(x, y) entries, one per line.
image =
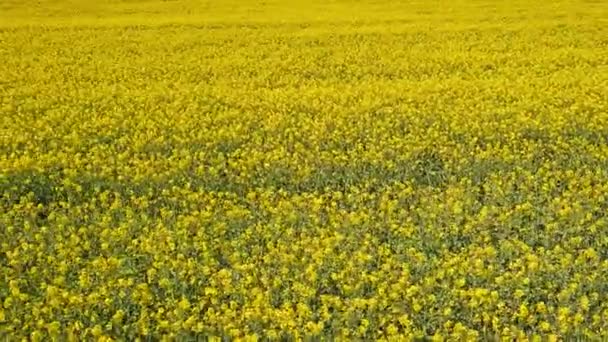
point(289, 170)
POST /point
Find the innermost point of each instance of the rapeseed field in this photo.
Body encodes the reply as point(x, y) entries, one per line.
point(303, 170)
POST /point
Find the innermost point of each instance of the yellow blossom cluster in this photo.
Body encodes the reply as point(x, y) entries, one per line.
point(308, 169)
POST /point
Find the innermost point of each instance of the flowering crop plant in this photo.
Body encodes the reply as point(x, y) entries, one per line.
point(303, 170)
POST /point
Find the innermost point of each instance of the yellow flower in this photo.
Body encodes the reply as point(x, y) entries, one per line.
point(36, 336)
point(584, 303)
point(53, 328)
point(313, 328)
point(523, 311)
point(184, 304)
point(392, 330)
point(545, 326)
point(97, 331)
point(118, 317)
